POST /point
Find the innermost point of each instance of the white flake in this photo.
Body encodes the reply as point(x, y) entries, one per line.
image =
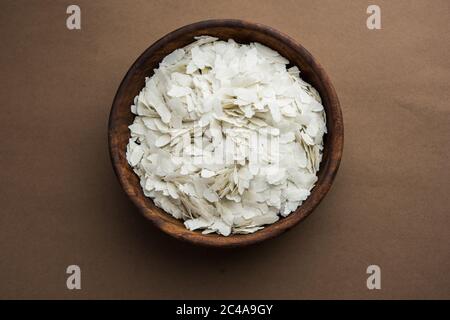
point(177, 91)
point(174, 57)
point(162, 140)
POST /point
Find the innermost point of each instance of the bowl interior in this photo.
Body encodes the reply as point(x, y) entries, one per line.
point(242, 32)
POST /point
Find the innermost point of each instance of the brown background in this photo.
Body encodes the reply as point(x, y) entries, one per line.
point(61, 203)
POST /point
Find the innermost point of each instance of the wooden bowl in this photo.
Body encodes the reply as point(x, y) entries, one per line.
point(243, 32)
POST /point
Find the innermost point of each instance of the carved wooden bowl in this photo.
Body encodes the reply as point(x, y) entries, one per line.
point(243, 32)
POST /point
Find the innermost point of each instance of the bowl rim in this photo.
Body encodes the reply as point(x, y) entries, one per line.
point(330, 167)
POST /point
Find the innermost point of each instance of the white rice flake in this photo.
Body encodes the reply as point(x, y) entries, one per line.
point(177, 91)
point(173, 58)
point(162, 140)
point(226, 137)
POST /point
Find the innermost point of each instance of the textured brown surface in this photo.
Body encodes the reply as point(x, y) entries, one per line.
point(243, 32)
point(61, 203)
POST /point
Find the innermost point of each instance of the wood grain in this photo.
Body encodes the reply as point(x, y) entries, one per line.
point(243, 32)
